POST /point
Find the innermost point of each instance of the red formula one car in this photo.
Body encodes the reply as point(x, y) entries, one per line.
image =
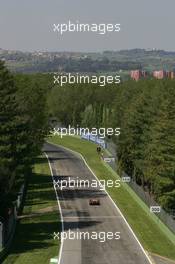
point(94, 202)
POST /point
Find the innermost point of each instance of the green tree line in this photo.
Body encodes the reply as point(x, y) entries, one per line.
point(145, 112)
point(23, 127)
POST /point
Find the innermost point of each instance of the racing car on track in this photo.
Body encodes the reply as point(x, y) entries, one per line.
point(94, 202)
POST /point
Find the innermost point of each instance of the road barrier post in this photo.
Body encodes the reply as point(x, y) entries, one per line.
point(1, 235)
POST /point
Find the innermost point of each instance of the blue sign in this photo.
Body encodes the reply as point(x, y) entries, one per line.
point(94, 139)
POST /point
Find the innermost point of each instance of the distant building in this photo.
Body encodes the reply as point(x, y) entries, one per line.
point(144, 74)
point(137, 75)
point(170, 75)
point(159, 74)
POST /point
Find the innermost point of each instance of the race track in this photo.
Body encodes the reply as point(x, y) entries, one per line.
point(79, 216)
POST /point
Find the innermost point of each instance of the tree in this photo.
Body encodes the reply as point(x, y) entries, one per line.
point(8, 116)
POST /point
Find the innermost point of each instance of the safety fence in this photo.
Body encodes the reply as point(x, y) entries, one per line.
point(8, 223)
point(167, 218)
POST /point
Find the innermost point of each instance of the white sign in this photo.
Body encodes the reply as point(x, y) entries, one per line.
point(53, 260)
point(155, 209)
point(108, 160)
point(126, 179)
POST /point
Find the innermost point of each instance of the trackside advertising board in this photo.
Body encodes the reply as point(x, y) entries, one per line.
point(94, 139)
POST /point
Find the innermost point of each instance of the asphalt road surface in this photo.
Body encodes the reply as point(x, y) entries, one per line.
point(79, 216)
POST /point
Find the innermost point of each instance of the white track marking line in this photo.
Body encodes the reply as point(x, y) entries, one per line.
point(62, 221)
point(79, 154)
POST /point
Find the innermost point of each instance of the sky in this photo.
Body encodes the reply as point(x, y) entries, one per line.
point(27, 25)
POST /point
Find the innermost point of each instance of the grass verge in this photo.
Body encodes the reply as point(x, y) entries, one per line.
point(147, 230)
point(33, 242)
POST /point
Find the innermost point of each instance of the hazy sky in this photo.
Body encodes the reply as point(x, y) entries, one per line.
point(28, 24)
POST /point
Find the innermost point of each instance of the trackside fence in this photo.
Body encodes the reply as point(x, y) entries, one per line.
point(165, 217)
point(8, 224)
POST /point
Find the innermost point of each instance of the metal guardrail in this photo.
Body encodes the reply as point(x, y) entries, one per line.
point(164, 216)
point(9, 226)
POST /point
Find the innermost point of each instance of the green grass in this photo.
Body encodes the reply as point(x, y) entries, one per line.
point(33, 242)
point(148, 231)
